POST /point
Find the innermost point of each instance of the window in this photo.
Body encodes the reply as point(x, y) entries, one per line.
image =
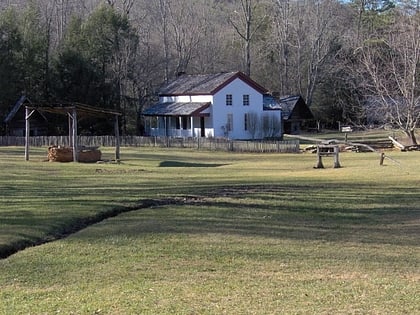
point(181, 122)
point(245, 100)
point(229, 101)
point(229, 124)
point(184, 122)
point(246, 121)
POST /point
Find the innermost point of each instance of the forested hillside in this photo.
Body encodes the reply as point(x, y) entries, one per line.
point(339, 56)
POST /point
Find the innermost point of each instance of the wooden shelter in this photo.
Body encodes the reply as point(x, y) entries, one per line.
point(73, 111)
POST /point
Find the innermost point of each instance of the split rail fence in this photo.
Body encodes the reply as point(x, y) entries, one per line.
point(261, 146)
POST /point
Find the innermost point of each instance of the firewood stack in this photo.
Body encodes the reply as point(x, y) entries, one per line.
point(65, 154)
point(89, 155)
point(60, 154)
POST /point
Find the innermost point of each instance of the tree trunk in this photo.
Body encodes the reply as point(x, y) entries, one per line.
point(411, 134)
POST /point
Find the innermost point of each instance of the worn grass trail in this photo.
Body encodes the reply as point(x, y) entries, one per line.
point(240, 234)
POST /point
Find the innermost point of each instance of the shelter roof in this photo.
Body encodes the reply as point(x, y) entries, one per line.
point(177, 109)
point(23, 99)
point(81, 109)
point(205, 84)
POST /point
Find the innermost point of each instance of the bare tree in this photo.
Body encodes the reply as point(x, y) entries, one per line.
point(321, 43)
point(163, 17)
point(305, 37)
point(186, 31)
point(246, 25)
point(125, 5)
point(282, 33)
point(391, 61)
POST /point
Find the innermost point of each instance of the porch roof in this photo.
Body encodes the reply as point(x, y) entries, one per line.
point(177, 109)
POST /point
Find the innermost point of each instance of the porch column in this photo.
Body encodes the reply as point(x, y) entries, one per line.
point(192, 126)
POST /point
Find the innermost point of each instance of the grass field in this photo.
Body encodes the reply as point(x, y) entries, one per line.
point(189, 232)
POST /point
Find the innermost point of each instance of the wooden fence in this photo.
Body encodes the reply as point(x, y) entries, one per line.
point(290, 146)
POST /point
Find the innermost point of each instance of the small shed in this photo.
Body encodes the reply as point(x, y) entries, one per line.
point(15, 120)
point(294, 111)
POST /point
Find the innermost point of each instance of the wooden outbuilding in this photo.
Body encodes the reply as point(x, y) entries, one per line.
point(15, 120)
point(295, 112)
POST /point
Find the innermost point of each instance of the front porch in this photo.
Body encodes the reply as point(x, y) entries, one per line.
point(195, 133)
point(176, 119)
point(179, 126)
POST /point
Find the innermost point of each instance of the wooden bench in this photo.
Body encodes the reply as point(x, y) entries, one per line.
point(327, 150)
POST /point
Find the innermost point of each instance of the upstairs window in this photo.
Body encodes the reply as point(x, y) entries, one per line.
point(229, 101)
point(245, 100)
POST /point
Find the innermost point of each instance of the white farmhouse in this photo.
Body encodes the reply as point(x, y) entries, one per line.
point(228, 104)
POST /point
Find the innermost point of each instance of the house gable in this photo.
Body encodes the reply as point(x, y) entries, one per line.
point(244, 78)
point(300, 111)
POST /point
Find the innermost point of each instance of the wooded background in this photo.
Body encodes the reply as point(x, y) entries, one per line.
point(355, 61)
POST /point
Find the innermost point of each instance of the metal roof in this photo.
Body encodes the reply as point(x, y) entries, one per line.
point(292, 106)
point(82, 109)
point(177, 109)
point(205, 84)
point(16, 108)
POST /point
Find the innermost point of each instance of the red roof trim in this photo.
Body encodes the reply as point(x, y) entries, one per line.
point(242, 76)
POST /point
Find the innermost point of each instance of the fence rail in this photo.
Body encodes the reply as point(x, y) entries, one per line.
point(267, 146)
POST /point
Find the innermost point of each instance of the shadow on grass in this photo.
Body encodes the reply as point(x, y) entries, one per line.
point(278, 212)
point(187, 164)
point(301, 212)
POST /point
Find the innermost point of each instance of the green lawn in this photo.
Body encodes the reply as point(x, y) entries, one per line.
point(210, 233)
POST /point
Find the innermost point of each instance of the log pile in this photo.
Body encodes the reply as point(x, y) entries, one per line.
point(402, 147)
point(89, 155)
point(65, 154)
point(60, 154)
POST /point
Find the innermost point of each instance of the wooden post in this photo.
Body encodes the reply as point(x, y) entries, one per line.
point(74, 133)
point(381, 162)
point(70, 122)
point(27, 133)
point(117, 139)
point(319, 158)
point(336, 157)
